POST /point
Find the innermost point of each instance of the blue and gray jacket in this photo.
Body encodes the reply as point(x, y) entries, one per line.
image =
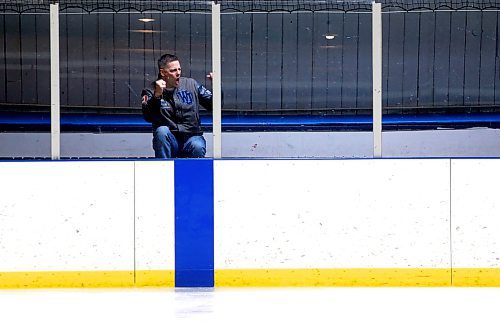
point(179, 108)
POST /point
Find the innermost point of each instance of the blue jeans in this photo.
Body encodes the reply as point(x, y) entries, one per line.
point(167, 145)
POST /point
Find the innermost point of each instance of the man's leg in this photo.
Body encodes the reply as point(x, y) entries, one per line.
point(195, 146)
point(164, 143)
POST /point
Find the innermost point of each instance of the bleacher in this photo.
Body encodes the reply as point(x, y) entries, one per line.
point(127, 122)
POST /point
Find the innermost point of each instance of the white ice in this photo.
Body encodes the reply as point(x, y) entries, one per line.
point(251, 310)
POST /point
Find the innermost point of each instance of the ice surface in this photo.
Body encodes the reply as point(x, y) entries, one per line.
point(251, 310)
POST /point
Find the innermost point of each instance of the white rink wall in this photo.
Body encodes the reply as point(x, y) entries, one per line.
point(332, 214)
point(475, 213)
point(154, 215)
point(86, 216)
point(119, 216)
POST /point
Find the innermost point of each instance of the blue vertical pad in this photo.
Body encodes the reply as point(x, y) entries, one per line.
point(194, 223)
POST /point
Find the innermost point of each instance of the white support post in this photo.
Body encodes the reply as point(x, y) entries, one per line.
point(216, 82)
point(377, 78)
point(55, 116)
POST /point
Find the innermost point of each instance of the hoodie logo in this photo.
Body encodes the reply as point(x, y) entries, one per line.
point(186, 96)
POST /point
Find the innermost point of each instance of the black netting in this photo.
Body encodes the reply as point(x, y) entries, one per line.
point(355, 5)
point(107, 5)
point(141, 6)
point(7, 6)
point(246, 6)
point(412, 5)
point(295, 5)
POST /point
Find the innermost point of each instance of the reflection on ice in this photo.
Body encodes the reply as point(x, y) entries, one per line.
point(193, 301)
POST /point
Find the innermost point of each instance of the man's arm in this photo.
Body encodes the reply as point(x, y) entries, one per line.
point(151, 101)
point(205, 97)
point(208, 104)
point(150, 106)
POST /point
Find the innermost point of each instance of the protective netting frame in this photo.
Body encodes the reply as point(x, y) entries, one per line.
point(18, 6)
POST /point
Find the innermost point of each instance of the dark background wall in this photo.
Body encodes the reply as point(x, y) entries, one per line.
point(271, 62)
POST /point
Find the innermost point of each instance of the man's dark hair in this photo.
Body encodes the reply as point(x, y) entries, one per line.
point(165, 59)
